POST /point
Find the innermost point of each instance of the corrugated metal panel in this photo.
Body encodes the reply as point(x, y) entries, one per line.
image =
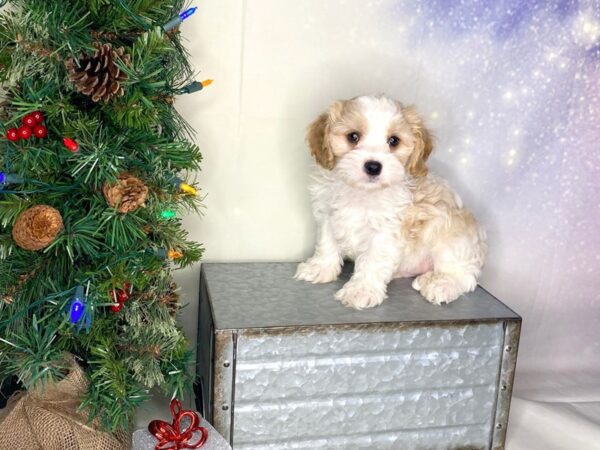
point(417, 387)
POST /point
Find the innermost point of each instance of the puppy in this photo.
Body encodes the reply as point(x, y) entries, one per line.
point(375, 203)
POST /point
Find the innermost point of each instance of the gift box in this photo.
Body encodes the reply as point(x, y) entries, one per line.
point(283, 365)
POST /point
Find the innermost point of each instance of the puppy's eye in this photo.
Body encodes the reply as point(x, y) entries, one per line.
point(353, 137)
point(394, 141)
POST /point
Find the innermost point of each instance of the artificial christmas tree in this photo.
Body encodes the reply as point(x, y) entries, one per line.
point(86, 252)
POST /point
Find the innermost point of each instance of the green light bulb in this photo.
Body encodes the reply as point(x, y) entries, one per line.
point(168, 214)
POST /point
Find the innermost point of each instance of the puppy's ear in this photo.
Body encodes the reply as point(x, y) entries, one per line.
point(317, 137)
point(423, 143)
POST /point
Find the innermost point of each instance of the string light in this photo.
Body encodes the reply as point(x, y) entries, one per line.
point(78, 309)
point(71, 144)
point(174, 254)
point(195, 86)
point(158, 252)
point(57, 295)
point(188, 189)
point(168, 214)
point(176, 21)
point(184, 187)
point(188, 12)
point(164, 253)
point(9, 178)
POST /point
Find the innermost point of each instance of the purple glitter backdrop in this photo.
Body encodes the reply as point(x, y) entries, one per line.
point(512, 89)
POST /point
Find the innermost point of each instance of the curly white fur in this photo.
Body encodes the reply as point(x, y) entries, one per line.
point(400, 222)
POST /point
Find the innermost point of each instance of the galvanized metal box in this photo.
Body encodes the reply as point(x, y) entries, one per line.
point(282, 365)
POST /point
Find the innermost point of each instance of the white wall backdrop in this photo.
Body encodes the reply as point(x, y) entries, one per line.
point(512, 91)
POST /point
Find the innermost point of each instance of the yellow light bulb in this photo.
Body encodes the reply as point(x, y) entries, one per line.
point(188, 189)
point(206, 83)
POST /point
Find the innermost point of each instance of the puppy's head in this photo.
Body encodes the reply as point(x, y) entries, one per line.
point(370, 141)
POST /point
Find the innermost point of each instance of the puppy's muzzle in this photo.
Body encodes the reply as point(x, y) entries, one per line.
point(373, 168)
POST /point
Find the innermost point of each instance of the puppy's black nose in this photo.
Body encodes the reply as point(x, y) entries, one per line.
point(373, 168)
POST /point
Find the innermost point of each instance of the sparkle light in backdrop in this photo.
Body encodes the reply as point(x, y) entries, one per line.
point(514, 94)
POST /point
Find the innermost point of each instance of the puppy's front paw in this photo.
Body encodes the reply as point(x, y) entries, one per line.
point(360, 295)
point(318, 270)
point(438, 288)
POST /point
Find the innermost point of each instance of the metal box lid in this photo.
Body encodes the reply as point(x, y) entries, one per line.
point(265, 295)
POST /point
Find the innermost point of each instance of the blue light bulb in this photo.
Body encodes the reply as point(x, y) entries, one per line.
point(77, 309)
point(187, 13)
point(10, 178)
point(77, 305)
point(176, 21)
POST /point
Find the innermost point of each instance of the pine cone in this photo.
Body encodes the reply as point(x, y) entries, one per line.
point(37, 227)
point(129, 193)
point(98, 75)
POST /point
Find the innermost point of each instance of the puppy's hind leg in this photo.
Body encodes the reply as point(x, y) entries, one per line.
point(457, 260)
point(326, 263)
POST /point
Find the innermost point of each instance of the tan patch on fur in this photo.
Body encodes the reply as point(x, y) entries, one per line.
point(317, 136)
point(434, 207)
point(416, 221)
point(400, 128)
point(435, 192)
point(437, 215)
point(423, 143)
point(327, 135)
point(350, 118)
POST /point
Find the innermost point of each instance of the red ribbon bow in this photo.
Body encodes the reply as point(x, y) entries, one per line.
point(170, 435)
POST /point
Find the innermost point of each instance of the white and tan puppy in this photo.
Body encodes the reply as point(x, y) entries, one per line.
point(376, 204)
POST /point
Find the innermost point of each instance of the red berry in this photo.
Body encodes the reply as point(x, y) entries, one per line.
point(116, 307)
point(122, 296)
point(40, 131)
point(12, 135)
point(127, 287)
point(24, 132)
point(29, 121)
point(38, 116)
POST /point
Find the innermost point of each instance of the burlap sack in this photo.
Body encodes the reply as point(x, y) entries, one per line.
point(50, 420)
